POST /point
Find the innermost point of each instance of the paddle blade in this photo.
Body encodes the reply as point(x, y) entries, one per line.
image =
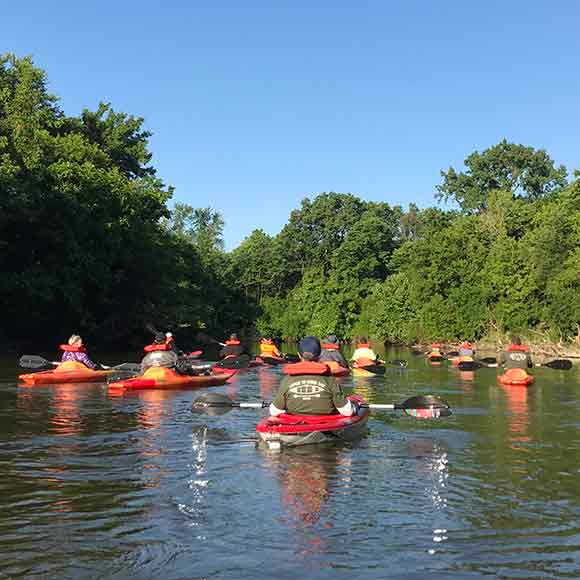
point(32, 361)
point(128, 367)
point(559, 364)
point(397, 363)
point(212, 404)
point(468, 365)
point(292, 358)
point(425, 407)
point(488, 360)
point(238, 362)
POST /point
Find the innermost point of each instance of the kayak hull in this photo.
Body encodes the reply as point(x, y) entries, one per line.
point(67, 372)
point(516, 378)
point(295, 430)
point(162, 378)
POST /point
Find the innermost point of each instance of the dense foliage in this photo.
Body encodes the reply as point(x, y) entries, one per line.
point(89, 244)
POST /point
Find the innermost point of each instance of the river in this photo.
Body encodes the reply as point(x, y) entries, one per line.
point(137, 486)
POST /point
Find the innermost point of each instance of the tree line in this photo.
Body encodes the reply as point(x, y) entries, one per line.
point(89, 244)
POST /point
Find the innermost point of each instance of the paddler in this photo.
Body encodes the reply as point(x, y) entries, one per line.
point(232, 347)
point(268, 348)
point(364, 354)
point(308, 387)
point(159, 354)
point(466, 349)
point(75, 351)
point(331, 351)
point(516, 355)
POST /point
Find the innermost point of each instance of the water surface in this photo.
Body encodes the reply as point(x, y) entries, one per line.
point(137, 486)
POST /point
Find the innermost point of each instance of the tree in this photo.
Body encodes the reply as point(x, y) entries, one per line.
point(524, 171)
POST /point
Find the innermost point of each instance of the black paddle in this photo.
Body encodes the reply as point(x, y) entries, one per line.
point(419, 406)
point(234, 362)
point(292, 358)
point(270, 360)
point(559, 364)
point(395, 362)
point(32, 361)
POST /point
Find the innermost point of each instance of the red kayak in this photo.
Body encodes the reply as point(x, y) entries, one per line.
point(516, 378)
point(162, 378)
point(292, 430)
point(66, 372)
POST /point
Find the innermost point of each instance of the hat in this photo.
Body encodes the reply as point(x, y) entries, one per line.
point(233, 336)
point(331, 338)
point(159, 338)
point(309, 348)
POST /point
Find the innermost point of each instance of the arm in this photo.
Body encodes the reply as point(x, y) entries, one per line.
point(342, 404)
point(278, 405)
point(84, 358)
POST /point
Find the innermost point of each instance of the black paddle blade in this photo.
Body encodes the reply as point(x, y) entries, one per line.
point(270, 360)
point(488, 360)
point(468, 365)
point(425, 407)
point(236, 362)
point(559, 364)
point(397, 363)
point(292, 358)
point(32, 361)
point(212, 404)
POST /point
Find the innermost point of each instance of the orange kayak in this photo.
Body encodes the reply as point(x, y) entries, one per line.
point(66, 372)
point(162, 378)
point(336, 369)
point(516, 377)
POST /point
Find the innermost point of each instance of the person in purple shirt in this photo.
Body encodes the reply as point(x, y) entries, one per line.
point(75, 351)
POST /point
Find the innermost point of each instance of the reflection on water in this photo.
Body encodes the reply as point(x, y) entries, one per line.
point(137, 486)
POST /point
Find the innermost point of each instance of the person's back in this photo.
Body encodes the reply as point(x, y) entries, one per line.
point(232, 347)
point(363, 352)
point(308, 388)
point(75, 351)
point(516, 355)
point(331, 352)
point(159, 354)
point(268, 348)
point(466, 349)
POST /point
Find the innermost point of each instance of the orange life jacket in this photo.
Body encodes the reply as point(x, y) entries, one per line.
point(71, 348)
point(232, 342)
point(517, 348)
point(306, 368)
point(157, 347)
point(329, 346)
point(363, 345)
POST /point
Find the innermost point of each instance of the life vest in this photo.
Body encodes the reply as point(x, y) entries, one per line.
point(329, 346)
point(232, 342)
point(516, 348)
point(157, 347)
point(466, 344)
point(363, 345)
point(71, 348)
point(267, 341)
point(306, 368)
point(269, 349)
point(436, 345)
point(364, 362)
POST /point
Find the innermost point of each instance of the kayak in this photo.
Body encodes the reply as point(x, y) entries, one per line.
point(367, 368)
point(516, 377)
point(292, 430)
point(435, 357)
point(66, 372)
point(336, 369)
point(162, 378)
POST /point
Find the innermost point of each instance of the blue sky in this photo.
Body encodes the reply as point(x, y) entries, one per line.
point(255, 105)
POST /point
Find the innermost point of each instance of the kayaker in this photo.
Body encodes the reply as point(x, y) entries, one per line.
point(516, 355)
point(268, 348)
point(363, 353)
point(75, 351)
point(466, 349)
point(331, 351)
point(308, 388)
point(232, 347)
point(159, 354)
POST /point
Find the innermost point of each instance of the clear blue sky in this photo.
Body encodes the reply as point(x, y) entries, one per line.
point(255, 105)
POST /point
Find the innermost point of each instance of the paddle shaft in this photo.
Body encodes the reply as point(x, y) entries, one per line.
point(373, 406)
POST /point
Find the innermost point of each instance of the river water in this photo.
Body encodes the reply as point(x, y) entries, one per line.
point(137, 486)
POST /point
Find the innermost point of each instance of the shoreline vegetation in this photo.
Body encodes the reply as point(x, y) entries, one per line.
point(90, 245)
